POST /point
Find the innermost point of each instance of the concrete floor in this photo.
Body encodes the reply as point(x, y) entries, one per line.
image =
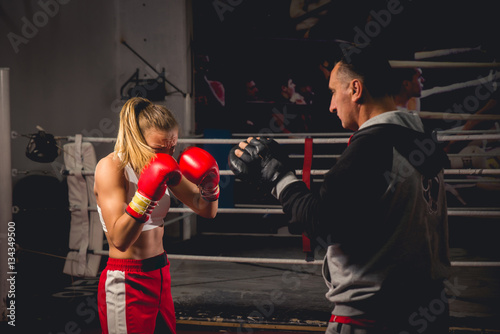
point(293, 295)
point(231, 297)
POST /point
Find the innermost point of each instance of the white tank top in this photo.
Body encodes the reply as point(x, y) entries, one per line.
point(160, 211)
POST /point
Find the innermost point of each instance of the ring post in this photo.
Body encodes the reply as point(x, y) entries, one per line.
point(5, 186)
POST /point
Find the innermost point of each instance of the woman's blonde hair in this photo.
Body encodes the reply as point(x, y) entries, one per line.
point(137, 116)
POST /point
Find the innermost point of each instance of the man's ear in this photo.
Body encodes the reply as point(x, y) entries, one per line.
point(356, 90)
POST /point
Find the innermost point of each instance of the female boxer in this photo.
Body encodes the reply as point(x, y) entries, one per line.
point(132, 189)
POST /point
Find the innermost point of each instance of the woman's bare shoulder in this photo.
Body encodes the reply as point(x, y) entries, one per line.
point(109, 167)
point(109, 162)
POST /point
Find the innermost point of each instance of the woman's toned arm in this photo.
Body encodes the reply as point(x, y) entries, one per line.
point(111, 196)
point(189, 194)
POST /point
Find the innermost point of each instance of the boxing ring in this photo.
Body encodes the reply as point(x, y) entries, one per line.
point(340, 138)
point(255, 318)
point(86, 253)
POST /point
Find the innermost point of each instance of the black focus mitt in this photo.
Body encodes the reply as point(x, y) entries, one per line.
point(263, 161)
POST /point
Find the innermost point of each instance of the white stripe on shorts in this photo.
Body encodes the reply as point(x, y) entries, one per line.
point(116, 302)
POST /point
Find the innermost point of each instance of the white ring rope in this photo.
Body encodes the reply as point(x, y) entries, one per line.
point(422, 114)
point(315, 156)
point(302, 134)
point(289, 261)
point(173, 220)
point(479, 171)
point(459, 85)
point(470, 132)
point(234, 259)
point(440, 137)
point(469, 171)
point(474, 181)
point(443, 52)
point(475, 264)
point(459, 116)
point(457, 212)
point(481, 212)
point(451, 155)
point(468, 137)
point(241, 259)
point(440, 64)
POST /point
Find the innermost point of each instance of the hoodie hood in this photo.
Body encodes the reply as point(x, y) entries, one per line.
point(405, 131)
point(402, 117)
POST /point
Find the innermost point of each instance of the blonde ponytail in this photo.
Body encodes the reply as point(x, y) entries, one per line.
point(137, 116)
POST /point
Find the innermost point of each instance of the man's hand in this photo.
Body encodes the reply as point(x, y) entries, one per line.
point(260, 160)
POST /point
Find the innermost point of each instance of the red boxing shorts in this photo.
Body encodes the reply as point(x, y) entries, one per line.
point(132, 292)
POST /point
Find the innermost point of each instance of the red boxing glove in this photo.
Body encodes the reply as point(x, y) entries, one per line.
point(199, 167)
point(162, 171)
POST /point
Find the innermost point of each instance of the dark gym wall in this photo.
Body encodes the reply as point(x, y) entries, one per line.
point(67, 64)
